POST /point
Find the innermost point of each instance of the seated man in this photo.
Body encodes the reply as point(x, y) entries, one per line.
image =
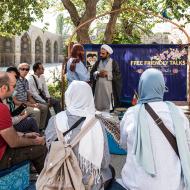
point(17, 147)
point(39, 89)
point(37, 110)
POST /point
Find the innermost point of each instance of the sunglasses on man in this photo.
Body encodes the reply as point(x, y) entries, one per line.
point(24, 69)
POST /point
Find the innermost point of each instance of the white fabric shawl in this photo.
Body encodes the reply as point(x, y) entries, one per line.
point(79, 101)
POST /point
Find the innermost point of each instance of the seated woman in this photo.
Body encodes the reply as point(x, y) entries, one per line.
point(152, 163)
point(92, 151)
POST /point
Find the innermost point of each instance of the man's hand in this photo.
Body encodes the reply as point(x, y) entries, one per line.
point(103, 73)
point(39, 140)
point(36, 105)
point(32, 135)
point(36, 136)
point(24, 115)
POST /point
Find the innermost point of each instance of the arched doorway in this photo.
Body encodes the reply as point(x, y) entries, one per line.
point(55, 47)
point(38, 50)
point(25, 49)
point(48, 51)
point(7, 51)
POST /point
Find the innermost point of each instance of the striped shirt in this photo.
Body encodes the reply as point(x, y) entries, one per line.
point(22, 88)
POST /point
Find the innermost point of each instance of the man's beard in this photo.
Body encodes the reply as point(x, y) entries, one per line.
point(103, 58)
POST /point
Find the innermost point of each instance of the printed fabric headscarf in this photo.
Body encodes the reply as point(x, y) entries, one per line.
point(151, 89)
point(80, 102)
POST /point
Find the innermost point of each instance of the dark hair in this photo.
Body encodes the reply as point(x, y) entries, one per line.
point(13, 69)
point(75, 52)
point(4, 79)
point(36, 66)
point(73, 64)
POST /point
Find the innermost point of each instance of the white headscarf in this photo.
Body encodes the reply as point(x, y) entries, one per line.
point(80, 102)
point(107, 48)
point(79, 99)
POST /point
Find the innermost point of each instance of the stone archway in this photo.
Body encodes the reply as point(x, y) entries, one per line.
point(25, 49)
point(48, 51)
point(7, 55)
point(55, 48)
point(38, 50)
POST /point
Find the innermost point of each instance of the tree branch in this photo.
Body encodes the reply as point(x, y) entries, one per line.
point(90, 11)
point(72, 11)
point(110, 28)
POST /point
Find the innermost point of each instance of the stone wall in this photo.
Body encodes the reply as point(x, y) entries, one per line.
point(157, 38)
point(31, 46)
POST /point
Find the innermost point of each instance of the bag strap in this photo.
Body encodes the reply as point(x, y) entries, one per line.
point(60, 135)
point(35, 82)
point(75, 125)
point(169, 136)
point(83, 131)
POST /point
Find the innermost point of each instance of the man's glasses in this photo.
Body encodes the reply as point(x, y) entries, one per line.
point(24, 69)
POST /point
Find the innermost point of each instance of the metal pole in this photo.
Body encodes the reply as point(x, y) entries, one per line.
point(63, 82)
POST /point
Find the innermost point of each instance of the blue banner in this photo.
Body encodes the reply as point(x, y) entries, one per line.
point(134, 59)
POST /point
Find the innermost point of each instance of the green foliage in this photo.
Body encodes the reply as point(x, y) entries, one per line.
point(59, 24)
point(132, 24)
point(63, 25)
point(56, 83)
point(131, 27)
point(16, 16)
point(54, 90)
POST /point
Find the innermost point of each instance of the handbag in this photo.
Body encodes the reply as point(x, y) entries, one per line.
point(169, 136)
point(61, 169)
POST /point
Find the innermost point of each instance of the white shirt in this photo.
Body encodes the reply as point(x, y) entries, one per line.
point(44, 86)
point(167, 163)
point(41, 85)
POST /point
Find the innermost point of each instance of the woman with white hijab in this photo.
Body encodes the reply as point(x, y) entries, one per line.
point(151, 163)
point(92, 151)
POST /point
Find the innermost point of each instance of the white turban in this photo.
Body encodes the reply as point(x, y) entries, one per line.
point(107, 48)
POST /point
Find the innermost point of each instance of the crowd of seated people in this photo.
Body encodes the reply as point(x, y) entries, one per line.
point(23, 119)
point(20, 118)
point(15, 146)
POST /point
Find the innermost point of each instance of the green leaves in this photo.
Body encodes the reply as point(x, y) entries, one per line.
point(16, 16)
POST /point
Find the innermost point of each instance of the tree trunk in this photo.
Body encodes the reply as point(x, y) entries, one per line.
point(83, 36)
point(90, 12)
point(110, 28)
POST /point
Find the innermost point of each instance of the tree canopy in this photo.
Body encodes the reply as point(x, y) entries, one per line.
point(118, 27)
point(17, 16)
point(126, 26)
